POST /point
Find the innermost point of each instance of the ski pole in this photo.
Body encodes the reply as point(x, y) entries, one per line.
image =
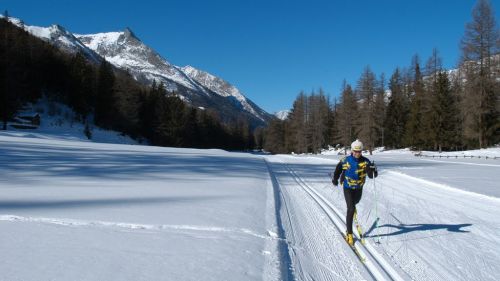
point(377, 240)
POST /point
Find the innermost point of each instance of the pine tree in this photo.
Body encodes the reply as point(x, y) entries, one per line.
point(297, 119)
point(149, 113)
point(380, 109)
point(347, 110)
point(4, 64)
point(397, 111)
point(191, 132)
point(367, 90)
point(171, 125)
point(432, 69)
point(105, 101)
point(127, 94)
point(481, 98)
point(259, 135)
point(445, 117)
point(319, 114)
point(415, 131)
point(457, 91)
point(333, 123)
point(81, 86)
point(275, 137)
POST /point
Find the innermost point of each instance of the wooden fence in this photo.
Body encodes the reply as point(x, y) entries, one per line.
point(457, 156)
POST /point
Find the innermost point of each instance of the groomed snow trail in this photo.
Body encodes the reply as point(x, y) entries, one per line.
point(317, 249)
point(426, 230)
point(378, 267)
point(314, 230)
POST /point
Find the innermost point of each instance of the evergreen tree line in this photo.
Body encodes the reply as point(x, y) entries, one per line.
point(307, 128)
point(421, 107)
point(109, 98)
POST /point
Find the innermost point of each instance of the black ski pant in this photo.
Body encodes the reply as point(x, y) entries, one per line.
point(352, 197)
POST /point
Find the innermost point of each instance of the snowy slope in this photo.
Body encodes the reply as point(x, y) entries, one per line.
point(58, 121)
point(223, 88)
point(126, 51)
point(59, 37)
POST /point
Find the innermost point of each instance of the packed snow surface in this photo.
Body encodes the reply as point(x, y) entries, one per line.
point(79, 210)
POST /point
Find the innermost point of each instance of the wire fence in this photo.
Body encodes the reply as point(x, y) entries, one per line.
point(457, 156)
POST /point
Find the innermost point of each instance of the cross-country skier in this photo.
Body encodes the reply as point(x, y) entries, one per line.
point(352, 171)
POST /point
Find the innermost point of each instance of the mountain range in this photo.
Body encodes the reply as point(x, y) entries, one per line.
point(124, 50)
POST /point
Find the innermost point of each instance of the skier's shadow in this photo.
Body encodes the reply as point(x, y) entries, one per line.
point(406, 228)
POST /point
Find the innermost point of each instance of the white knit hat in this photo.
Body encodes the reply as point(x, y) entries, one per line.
point(357, 145)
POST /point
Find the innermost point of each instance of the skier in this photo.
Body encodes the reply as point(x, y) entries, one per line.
point(352, 171)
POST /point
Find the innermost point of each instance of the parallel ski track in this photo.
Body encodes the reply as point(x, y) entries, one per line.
point(295, 271)
point(376, 265)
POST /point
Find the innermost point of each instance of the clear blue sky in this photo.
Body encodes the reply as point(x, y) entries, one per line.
point(271, 50)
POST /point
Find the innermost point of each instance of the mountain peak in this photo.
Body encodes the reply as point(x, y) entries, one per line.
point(59, 30)
point(128, 33)
point(188, 68)
point(282, 115)
point(58, 27)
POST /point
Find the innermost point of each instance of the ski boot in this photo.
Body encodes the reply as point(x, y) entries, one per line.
point(349, 239)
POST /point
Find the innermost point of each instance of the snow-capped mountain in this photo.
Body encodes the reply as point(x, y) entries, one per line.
point(282, 114)
point(124, 50)
point(127, 52)
point(223, 88)
point(201, 89)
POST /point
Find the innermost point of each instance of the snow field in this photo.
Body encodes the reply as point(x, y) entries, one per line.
point(78, 210)
point(73, 210)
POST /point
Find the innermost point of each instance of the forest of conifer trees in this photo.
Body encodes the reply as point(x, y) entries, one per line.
point(420, 107)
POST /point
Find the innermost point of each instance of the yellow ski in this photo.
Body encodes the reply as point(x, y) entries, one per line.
point(358, 227)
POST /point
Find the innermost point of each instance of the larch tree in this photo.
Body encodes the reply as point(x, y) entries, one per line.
point(346, 112)
point(367, 90)
point(480, 50)
point(297, 120)
point(432, 69)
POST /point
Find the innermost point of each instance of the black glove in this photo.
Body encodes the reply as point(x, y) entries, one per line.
point(373, 169)
point(335, 182)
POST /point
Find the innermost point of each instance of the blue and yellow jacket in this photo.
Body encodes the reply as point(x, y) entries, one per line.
point(352, 172)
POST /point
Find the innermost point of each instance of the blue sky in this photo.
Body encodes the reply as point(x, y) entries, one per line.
point(271, 50)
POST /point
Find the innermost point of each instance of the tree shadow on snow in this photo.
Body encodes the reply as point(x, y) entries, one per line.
point(10, 205)
point(60, 161)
